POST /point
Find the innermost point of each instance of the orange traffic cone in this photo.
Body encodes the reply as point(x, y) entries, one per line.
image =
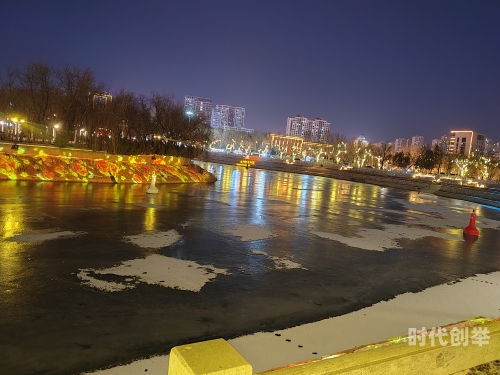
point(471, 229)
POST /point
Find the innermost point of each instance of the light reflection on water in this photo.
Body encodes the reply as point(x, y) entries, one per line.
point(289, 203)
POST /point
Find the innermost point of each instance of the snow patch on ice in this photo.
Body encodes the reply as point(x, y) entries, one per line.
point(154, 240)
point(279, 263)
point(45, 236)
point(250, 232)
point(154, 270)
point(382, 239)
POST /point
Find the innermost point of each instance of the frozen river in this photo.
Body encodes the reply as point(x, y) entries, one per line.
point(97, 275)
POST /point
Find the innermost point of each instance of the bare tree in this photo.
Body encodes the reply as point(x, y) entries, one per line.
point(384, 151)
point(8, 92)
point(36, 83)
point(74, 104)
point(336, 146)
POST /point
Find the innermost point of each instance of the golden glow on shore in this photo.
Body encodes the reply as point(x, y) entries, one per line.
point(138, 169)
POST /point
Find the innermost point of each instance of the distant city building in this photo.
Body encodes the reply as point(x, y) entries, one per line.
point(417, 142)
point(295, 126)
point(195, 106)
point(402, 144)
point(311, 130)
point(491, 148)
point(361, 140)
point(227, 117)
point(443, 143)
point(100, 99)
point(466, 142)
point(383, 143)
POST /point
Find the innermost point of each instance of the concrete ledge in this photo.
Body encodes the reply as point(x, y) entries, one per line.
point(475, 342)
point(208, 357)
point(396, 356)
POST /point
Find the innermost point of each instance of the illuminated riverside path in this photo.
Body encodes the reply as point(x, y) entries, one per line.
point(97, 275)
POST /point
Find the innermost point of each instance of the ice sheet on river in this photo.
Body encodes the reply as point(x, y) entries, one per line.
point(425, 216)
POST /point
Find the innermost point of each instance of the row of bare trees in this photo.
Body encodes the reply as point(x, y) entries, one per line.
point(66, 99)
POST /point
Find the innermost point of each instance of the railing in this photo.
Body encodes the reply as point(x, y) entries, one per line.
point(465, 345)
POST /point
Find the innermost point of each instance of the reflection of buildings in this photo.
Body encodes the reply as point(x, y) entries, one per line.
point(199, 107)
point(465, 142)
point(311, 130)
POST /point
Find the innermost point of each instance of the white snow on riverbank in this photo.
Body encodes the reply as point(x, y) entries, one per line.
point(433, 307)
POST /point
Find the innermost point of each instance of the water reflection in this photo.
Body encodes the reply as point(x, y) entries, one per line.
point(12, 221)
point(149, 216)
point(266, 197)
point(291, 205)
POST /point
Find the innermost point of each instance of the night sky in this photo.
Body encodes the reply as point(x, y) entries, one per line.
point(385, 69)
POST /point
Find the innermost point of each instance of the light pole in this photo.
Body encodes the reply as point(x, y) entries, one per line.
point(56, 126)
point(19, 129)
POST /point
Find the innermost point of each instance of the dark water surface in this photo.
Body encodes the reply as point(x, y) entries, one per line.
point(51, 323)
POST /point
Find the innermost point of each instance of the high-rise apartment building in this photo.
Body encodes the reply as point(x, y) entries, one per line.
point(316, 130)
point(465, 142)
point(402, 144)
point(443, 143)
point(417, 142)
point(491, 148)
point(227, 117)
point(198, 107)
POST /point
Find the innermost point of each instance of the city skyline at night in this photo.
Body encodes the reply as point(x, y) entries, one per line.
point(378, 69)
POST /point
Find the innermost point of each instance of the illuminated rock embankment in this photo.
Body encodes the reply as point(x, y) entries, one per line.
point(107, 169)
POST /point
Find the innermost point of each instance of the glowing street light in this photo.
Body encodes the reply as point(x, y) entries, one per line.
point(56, 126)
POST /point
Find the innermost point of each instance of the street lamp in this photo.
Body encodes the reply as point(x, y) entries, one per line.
point(19, 127)
point(189, 113)
point(56, 126)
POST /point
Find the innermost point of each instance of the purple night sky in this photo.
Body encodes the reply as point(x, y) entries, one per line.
point(385, 69)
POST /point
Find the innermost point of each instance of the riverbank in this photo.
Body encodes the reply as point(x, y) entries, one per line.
point(35, 163)
point(448, 189)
